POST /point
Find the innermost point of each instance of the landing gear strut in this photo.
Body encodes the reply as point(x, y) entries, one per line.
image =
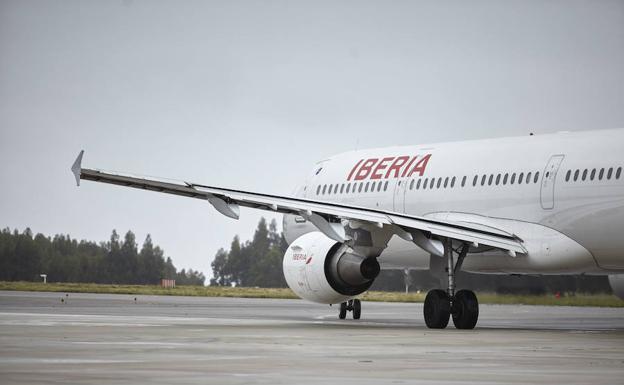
point(353, 305)
point(440, 305)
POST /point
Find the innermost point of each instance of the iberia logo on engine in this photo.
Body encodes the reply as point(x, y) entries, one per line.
point(300, 255)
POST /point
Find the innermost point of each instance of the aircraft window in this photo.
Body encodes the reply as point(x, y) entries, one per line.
point(379, 187)
point(324, 188)
point(432, 183)
point(453, 182)
point(366, 187)
point(520, 178)
point(576, 175)
point(618, 173)
point(386, 186)
point(592, 175)
point(483, 178)
point(446, 182)
point(318, 189)
point(439, 182)
point(568, 175)
point(373, 186)
point(490, 179)
point(536, 178)
point(584, 175)
point(425, 184)
point(348, 187)
point(610, 172)
point(360, 188)
point(418, 184)
point(505, 179)
point(474, 181)
point(528, 178)
point(513, 178)
point(342, 188)
point(412, 184)
point(329, 191)
point(601, 174)
point(498, 179)
point(464, 181)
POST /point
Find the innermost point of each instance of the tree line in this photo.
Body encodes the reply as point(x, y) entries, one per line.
point(24, 256)
point(256, 262)
point(259, 263)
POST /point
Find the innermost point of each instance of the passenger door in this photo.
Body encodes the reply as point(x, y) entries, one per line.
point(399, 195)
point(547, 191)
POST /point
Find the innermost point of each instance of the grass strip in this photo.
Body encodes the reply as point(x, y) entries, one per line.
point(600, 300)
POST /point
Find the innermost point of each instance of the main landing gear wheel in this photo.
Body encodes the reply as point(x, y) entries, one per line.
point(437, 309)
point(343, 311)
point(353, 305)
point(465, 309)
point(357, 309)
point(440, 305)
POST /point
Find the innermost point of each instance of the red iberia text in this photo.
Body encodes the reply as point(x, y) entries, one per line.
point(389, 167)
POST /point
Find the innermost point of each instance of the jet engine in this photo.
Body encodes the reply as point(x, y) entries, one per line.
point(617, 285)
point(322, 270)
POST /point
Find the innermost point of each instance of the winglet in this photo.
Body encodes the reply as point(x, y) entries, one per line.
point(77, 167)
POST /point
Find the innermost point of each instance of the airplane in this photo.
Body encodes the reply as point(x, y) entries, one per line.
point(537, 204)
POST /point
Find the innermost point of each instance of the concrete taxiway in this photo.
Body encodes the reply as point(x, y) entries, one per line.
point(102, 339)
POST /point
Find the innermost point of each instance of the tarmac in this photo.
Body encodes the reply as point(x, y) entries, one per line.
point(51, 338)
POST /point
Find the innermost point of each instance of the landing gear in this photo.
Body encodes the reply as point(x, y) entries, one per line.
point(353, 305)
point(440, 305)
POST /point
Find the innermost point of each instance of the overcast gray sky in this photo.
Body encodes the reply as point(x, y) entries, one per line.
point(249, 94)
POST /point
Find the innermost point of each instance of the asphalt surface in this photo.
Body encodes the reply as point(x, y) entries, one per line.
point(115, 339)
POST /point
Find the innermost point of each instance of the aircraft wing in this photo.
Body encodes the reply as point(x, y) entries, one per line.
point(329, 218)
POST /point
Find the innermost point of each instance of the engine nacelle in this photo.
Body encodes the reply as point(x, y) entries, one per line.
point(617, 285)
point(322, 270)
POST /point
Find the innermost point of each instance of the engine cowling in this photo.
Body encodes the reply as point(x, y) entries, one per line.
point(322, 270)
point(617, 285)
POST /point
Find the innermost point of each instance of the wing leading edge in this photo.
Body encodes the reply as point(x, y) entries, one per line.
point(329, 218)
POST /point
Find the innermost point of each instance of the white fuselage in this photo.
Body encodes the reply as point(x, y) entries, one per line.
point(564, 192)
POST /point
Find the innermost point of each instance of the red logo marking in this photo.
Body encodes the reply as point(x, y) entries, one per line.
point(373, 168)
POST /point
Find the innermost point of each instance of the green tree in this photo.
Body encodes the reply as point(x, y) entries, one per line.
point(219, 269)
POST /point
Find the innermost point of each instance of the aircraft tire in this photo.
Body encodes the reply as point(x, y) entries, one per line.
point(465, 309)
point(343, 311)
point(437, 309)
point(357, 309)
